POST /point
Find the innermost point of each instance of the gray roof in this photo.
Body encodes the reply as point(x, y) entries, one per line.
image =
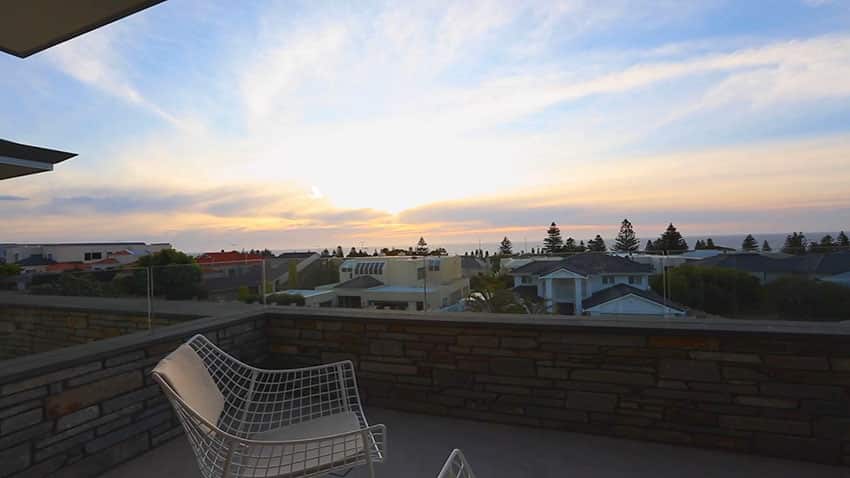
point(822, 264)
point(35, 260)
point(360, 282)
point(586, 264)
point(622, 290)
point(470, 262)
point(295, 255)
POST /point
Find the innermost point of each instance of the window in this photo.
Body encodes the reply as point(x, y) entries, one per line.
point(635, 279)
point(607, 279)
point(526, 280)
point(420, 305)
point(420, 273)
point(96, 255)
point(87, 256)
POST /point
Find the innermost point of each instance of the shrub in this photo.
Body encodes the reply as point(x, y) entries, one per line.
point(288, 299)
point(714, 290)
point(797, 298)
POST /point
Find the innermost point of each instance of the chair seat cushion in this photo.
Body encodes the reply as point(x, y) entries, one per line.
point(283, 460)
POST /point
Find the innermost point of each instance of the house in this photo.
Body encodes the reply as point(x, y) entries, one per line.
point(593, 284)
point(85, 252)
point(395, 282)
point(472, 266)
point(768, 268)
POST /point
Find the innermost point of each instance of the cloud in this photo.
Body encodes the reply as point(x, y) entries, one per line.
point(11, 198)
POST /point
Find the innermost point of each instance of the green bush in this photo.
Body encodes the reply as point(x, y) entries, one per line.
point(797, 298)
point(9, 269)
point(288, 299)
point(175, 275)
point(245, 294)
point(714, 290)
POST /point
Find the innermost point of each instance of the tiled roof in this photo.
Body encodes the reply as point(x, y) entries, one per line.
point(360, 282)
point(586, 264)
point(622, 290)
point(233, 256)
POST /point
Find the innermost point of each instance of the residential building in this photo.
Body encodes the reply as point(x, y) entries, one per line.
point(592, 284)
point(84, 252)
point(397, 282)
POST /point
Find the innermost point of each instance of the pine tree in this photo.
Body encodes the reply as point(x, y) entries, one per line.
point(626, 240)
point(672, 241)
point(570, 245)
point(843, 241)
point(326, 253)
point(339, 252)
point(505, 247)
point(795, 243)
point(553, 242)
point(650, 247)
point(750, 244)
point(421, 247)
point(765, 247)
point(827, 244)
point(709, 244)
point(353, 253)
point(597, 244)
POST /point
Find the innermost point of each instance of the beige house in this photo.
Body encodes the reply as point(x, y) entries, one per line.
point(398, 283)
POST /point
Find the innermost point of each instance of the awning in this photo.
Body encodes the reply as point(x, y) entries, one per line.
point(30, 26)
point(20, 159)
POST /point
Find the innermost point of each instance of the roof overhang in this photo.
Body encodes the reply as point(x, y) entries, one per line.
point(638, 297)
point(563, 273)
point(30, 26)
point(20, 159)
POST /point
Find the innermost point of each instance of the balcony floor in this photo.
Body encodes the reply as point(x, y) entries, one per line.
point(419, 444)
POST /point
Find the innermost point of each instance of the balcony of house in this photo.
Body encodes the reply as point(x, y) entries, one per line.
point(522, 395)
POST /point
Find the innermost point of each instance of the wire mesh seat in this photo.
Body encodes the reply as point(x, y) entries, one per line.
point(456, 466)
point(244, 421)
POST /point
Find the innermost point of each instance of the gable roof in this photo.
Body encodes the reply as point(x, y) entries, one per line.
point(622, 290)
point(586, 264)
point(360, 282)
point(825, 264)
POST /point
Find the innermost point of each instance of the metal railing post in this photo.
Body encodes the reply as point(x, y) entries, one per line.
point(150, 297)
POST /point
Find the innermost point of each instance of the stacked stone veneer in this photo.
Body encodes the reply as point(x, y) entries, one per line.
point(27, 330)
point(763, 392)
point(79, 411)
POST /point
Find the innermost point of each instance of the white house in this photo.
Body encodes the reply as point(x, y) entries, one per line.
point(593, 284)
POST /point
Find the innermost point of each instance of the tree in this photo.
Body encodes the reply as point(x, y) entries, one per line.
point(505, 247)
point(175, 274)
point(493, 294)
point(672, 241)
point(353, 253)
point(709, 244)
point(9, 269)
point(765, 247)
point(440, 251)
point(750, 244)
point(326, 253)
point(714, 290)
point(421, 247)
point(553, 243)
point(795, 243)
point(699, 245)
point(626, 239)
point(650, 247)
point(843, 241)
point(827, 244)
point(339, 252)
point(597, 244)
point(570, 245)
point(293, 274)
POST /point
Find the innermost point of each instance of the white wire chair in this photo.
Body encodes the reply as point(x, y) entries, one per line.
point(244, 421)
point(456, 466)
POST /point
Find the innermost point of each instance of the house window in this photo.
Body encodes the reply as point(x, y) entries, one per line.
point(420, 273)
point(434, 266)
point(420, 305)
point(607, 279)
point(635, 279)
point(87, 256)
point(525, 280)
point(96, 255)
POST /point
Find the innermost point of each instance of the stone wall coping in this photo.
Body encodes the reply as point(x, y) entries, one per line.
point(613, 324)
point(45, 362)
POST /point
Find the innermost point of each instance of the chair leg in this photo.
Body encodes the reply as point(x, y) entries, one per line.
point(368, 449)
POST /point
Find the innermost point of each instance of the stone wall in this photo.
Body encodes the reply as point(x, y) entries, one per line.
point(763, 388)
point(27, 330)
point(78, 411)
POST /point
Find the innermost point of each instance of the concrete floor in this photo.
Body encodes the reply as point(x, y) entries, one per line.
point(419, 444)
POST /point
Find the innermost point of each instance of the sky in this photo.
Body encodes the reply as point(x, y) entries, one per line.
point(308, 124)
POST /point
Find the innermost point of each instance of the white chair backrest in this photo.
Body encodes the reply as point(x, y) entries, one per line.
point(456, 466)
point(186, 374)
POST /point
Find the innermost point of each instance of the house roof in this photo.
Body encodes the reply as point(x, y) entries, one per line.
point(586, 264)
point(231, 256)
point(296, 255)
point(823, 264)
point(359, 282)
point(68, 266)
point(21, 159)
point(30, 27)
point(470, 262)
point(623, 290)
